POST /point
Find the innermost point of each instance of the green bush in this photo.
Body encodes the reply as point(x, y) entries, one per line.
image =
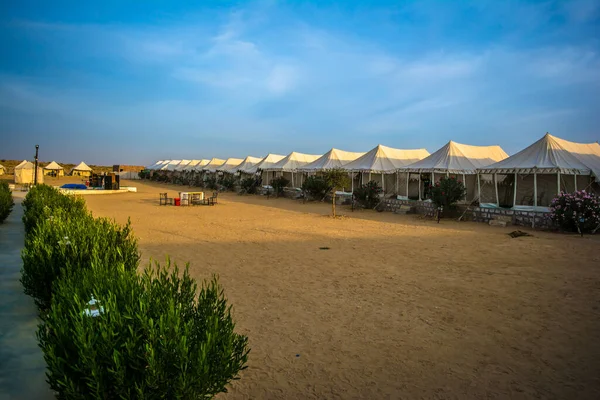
point(145, 174)
point(249, 185)
point(576, 212)
point(447, 192)
point(211, 182)
point(316, 187)
point(154, 338)
point(368, 194)
point(42, 200)
point(63, 244)
point(227, 181)
point(279, 184)
point(6, 201)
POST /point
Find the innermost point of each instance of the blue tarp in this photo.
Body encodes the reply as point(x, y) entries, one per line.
point(76, 186)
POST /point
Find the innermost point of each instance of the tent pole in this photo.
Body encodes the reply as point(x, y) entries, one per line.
point(407, 180)
point(419, 186)
point(369, 176)
point(352, 180)
point(558, 182)
point(515, 191)
point(382, 183)
point(496, 187)
point(575, 176)
point(465, 185)
point(397, 183)
point(479, 188)
point(535, 188)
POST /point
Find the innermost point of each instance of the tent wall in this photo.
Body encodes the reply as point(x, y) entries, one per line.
point(54, 172)
point(81, 173)
point(27, 175)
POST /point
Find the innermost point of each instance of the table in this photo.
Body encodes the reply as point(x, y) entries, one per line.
point(188, 198)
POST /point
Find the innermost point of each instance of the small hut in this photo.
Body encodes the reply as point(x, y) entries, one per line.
point(25, 173)
point(54, 169)
point(81, 169)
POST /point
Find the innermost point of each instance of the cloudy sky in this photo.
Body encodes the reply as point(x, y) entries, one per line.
point(133, 82)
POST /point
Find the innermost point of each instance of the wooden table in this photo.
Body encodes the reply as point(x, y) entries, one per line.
point(189, 198)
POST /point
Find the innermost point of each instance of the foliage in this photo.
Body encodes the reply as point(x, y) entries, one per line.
point(567, 210)
point(145, 174)
point(155, 337)
point(211, 182)
point(368, 194)
point(336, 178)
point(6, 201)
point(447, 192)
point(249, 185)
point(227, 181)
point(316, 187)
point(63, 243)
point(42, 200)
point(279, 184)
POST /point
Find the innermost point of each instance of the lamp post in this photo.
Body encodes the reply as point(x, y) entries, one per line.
point(37, 147)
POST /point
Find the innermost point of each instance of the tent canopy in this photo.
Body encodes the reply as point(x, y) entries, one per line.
point(264, 164)
point(182, 165)
point(190, 166)
point(383, 159)
point(550, 155)
point(156, 164)
point(170, 166)
point(292, 162)
point(53, 165)
point(458, 158)
point(334, 158)
point(248, 162)
point(21, 163)
point(200, 165)
point(212, 164)
point(81, 167)
point(229, 163)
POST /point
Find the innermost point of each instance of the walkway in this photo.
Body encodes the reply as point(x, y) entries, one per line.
point(22, 366)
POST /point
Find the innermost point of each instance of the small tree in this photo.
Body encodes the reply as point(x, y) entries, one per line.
point(278, 184)
point(316, 187)
point(227, 181)
point(337, 179)
point(447, 192)
point(249, 185)
point(368, 194)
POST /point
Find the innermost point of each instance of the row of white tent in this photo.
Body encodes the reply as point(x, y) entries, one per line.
point(531, 177)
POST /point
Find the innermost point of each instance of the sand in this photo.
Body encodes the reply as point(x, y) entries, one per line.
point(397, 307)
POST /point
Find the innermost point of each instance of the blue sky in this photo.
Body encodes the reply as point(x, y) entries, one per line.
point(132, 82)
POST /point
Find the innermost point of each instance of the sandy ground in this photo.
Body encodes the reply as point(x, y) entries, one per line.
point(397, 307)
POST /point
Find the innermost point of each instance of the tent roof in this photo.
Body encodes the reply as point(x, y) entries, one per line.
point(265, 163)
point(53, 165)
point(459, 159)
point(182, 165)
point(2, 166)
point(159, 165)
point(551, 154)
point(156, 164)
point(169, 166)
point(25, 165)
point(248, 162)
point(190, 166)
point(212, 164)
point(383, 159)
point(81, 167)
point(292, 162)
point(334, 158)
point(200, 165)
point(230, 162)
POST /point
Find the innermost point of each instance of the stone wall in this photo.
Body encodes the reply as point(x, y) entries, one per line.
point(477, 214)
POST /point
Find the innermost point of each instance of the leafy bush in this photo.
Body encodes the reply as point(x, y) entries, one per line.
point(279, 184)
point(337, 179)
point(63, 244)
point(368, 194)
point(145, 174)
point(227, 181)
point(211, 182)
point(316, 187)
point(6, 201)
point(42, 200)
point(154, 337)
point(249, 185)
point(447, 192)
point(579, 211)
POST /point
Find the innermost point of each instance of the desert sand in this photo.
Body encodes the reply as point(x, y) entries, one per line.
point(397, 307)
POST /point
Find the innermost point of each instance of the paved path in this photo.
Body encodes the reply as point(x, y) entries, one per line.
point(22, 366)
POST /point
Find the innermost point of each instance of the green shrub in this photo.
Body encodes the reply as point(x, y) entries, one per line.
point(447, 192)
point(155, 337)
point(211, 182)
point(576, 212)
point(249, 185)
point(279, 184)
point(368, 194)
point(63, 244)
point(227, 181)
point(6, 201)
point(316, 187)
point(43, 199)
point(145, 174)
point(337, 179)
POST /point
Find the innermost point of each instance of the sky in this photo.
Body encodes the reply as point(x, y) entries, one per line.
point(135, 82)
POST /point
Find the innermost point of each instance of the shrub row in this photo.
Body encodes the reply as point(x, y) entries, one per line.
point(6, 201)
point(109, 332)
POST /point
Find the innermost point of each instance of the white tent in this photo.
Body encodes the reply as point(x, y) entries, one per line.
point(265, 163)
point(534, 176)
point(201, 164)
point(382, 161)
point(170, 166)
point(81, 169)
point(191, 165)
point(182, 165)
point(159, 165)
point(156, 164)
point(248, 162)
point(289, 165)
point(456, 159)
point(228, 164)
point(212, 164)
point(2, 169)
point(334, 158)
point(25, 173)
point(54, 169)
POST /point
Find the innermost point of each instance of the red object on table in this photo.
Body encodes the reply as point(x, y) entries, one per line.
point(177, 201)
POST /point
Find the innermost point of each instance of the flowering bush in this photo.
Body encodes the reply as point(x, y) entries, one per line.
point(447, 192)
point(572, 210)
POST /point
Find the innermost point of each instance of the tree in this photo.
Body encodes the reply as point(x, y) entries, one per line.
point(447, 192)
point(337, 179)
